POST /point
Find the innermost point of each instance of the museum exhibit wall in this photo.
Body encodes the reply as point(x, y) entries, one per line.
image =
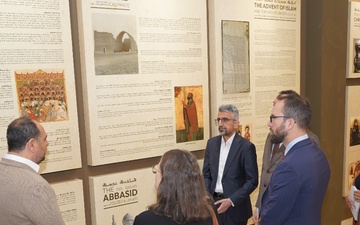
point(111, 89)
point(328, 72)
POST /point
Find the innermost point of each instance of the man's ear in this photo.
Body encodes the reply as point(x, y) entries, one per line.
point(291, 123)
point(31, 144)
point(237, 123)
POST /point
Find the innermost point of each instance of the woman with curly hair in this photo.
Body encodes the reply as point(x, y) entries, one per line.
point(181, 194)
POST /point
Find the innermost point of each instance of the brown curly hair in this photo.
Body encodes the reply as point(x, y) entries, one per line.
point(181, 194)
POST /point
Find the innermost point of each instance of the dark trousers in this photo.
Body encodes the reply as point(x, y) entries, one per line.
point(225, 218)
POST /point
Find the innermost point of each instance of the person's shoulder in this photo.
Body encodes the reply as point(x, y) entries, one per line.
point(313, 137)
point(21, 171)
point(207, 222)
point(150, 217)
point(214, 139)
point(268, 136)
point(144, 216)
point(141, 218)
point(243, 141)
point(146, 213)
point(309, 146)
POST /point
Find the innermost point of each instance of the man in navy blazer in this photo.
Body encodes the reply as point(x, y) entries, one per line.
point(298, 185)
point(230, 169)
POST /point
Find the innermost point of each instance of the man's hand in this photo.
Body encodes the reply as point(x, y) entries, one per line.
point(349, 203)
point(357, 195)
point(224, 205)
point(255, 218)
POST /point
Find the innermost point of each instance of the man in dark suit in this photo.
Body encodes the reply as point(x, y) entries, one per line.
point(297, 187)
point(230, 169)
point(272, 156)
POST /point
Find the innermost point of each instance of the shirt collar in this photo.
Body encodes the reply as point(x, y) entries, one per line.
point(230, 140)
point(293, 142)
point(20, 159)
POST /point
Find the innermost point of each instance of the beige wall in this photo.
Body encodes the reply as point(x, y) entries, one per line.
point(323, 75)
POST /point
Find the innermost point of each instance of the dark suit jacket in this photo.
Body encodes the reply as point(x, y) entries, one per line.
point(240, 176)
point(297, 187)
point(268, 166)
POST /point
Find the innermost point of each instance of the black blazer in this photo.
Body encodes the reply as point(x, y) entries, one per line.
point(148, 217)
point(240, 176)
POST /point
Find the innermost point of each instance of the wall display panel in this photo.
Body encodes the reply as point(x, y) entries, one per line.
point(347, 222)
point(117, 198)
point(37, 76)
point(70, 199)
point(273, 33)
point(141, 61)
point(268, 33)
point(353, 50)
point(352, 137)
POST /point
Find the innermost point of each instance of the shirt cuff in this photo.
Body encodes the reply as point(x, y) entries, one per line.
point(231, 202)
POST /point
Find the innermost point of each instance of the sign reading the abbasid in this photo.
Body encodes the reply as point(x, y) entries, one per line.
point(117, 198)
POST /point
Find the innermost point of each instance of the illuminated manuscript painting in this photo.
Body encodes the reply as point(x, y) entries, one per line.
point(42, 95)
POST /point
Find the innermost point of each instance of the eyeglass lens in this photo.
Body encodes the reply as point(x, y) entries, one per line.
point(224, 119)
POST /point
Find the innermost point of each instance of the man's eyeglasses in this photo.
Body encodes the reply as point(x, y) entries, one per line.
point(154, 170)
point(274, 117)
point(224, 120)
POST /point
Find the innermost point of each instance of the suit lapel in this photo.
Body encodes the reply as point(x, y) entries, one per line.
point(217, 153)
point(266, 154)
point(277, 157)
point(275, 160)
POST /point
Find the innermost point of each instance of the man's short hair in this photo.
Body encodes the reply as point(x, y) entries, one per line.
point(19, 132)
point(296, 107)
point(231, 109)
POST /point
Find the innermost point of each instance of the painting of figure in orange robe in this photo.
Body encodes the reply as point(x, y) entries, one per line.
point(189, 113)
point(190, 117)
